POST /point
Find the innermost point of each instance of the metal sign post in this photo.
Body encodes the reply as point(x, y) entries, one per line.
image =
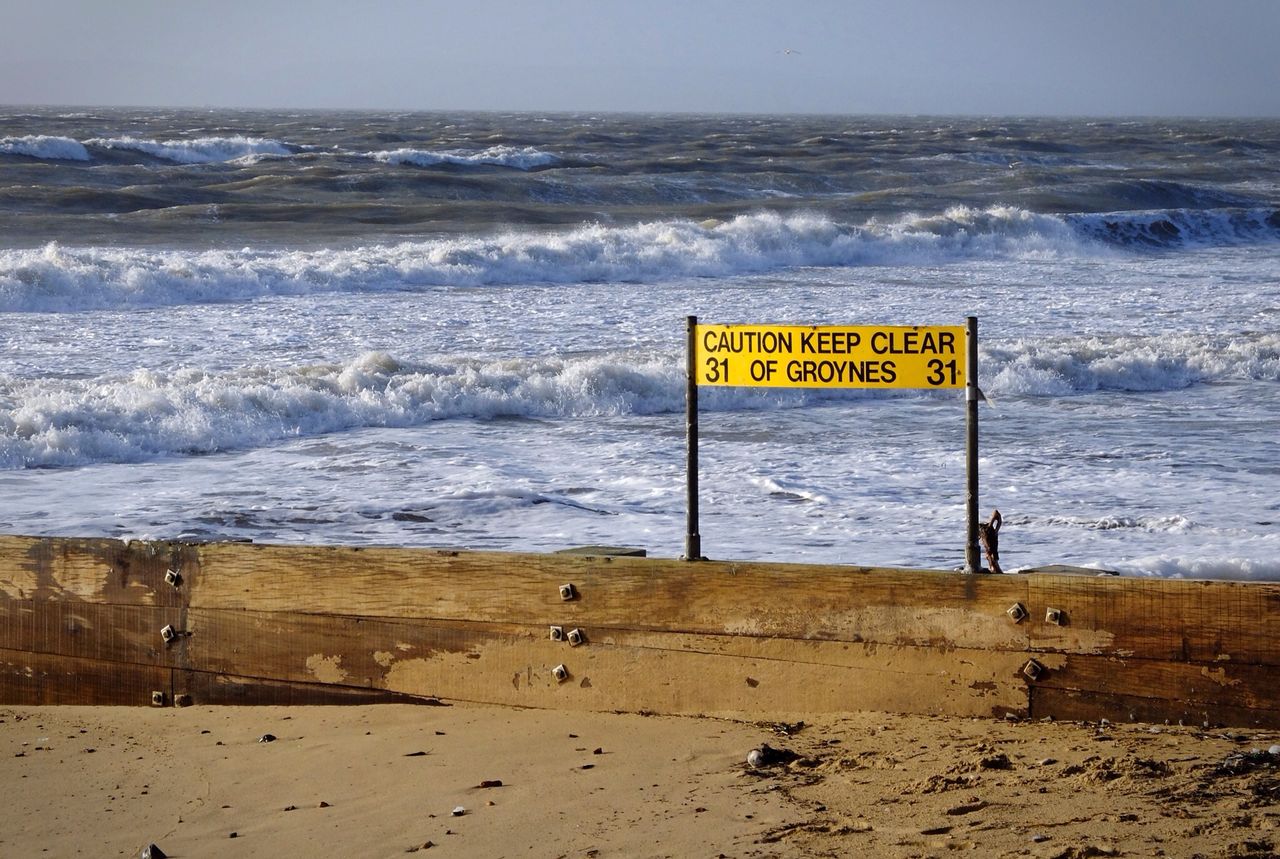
point(971, 396)
point(692, 539)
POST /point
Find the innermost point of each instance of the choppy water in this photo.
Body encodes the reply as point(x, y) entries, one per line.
point(466, 330)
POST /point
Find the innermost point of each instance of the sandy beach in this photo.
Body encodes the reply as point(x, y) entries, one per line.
point(470, 780)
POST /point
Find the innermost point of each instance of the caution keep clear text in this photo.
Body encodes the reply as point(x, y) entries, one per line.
point(808, 356)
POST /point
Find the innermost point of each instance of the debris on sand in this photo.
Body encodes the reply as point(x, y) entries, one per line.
point(767, 756)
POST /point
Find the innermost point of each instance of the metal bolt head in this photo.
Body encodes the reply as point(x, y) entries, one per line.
point(168, 633)
point(1033, 669)
point(560, 673)
point(568, 592)
point(557, 633)
point(173, 577)
point(157, 699)
point(1016, 612)
point(575, 637)
point(1055, 616)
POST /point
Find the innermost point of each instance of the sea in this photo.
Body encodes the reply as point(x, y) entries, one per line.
point(468, 330)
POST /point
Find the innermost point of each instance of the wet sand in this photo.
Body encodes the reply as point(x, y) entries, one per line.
point(386, 781)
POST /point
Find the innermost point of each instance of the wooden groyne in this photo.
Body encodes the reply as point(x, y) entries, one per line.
point(98, 621)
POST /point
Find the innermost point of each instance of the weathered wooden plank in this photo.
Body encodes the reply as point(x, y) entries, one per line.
point(493, 663)
point(116, 633)
point(1230, 685)
point(94, 570)
point(46, 678)
point(272, 623)
point(1074, 704)
point(1191, 621)
point(696, 682)
point(615, 669)
point(925, 608)
point(804, 601)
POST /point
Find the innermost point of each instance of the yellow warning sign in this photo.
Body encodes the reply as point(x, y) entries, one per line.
point(830, 356)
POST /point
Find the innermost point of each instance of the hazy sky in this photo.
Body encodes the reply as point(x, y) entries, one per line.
point(1207, 57)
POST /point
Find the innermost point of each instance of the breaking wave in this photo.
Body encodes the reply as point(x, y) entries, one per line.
point(1179, 228)
point(44, 147)
point(201, 150)
point(518, 158)
point(51, 422)
point(55, 421)
point(1051, 367)
point(57, 278)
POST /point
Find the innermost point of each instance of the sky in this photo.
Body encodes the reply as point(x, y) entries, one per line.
point(1005, 57)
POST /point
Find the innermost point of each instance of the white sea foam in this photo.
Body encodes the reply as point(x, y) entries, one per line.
point(1189, 566)
point(789, 490)
point(1154, 524)
point(59, 422)
point(1057, 367)
point(519, 158)
point(55, 421)
point(200, 150)
point(44, 147)
point(57, 278)
point(1192, 567)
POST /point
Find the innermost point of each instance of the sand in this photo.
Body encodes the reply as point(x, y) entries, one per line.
point(385, 780)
